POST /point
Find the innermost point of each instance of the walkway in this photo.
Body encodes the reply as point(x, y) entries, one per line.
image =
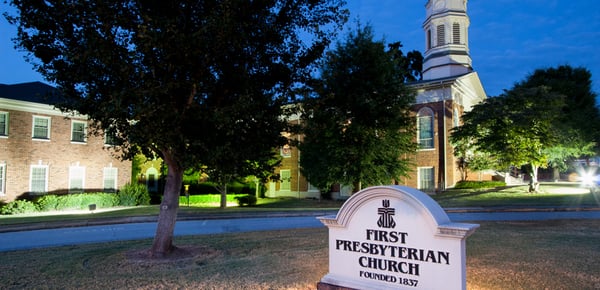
point(30, 239)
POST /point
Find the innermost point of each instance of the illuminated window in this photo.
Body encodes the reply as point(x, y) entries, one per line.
point(425, 128)
point(286, 151)
point(38, 179)
point(78, 131)
point(426, 182)
point(3, 124)
point(110, 179)
point(76, 179)
point(41, 128)
point(2, 179)
point(455, 118)
point(286, 177)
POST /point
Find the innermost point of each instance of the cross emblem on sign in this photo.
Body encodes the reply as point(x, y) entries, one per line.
point(386, 214)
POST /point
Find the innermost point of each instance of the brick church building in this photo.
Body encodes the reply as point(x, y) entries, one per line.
point(449, 88)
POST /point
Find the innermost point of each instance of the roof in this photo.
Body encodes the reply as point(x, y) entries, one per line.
point(437, 81)
point(36, 92)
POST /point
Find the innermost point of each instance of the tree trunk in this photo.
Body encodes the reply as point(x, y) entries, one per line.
point(163, 239)
point(534, 185)
point(224, 196)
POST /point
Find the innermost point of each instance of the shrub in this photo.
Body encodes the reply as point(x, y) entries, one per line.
point(18, 206)
point(81, 201)
point(211, 188)
point(479, 184)
point(248, 200)
point(133, 194)
point(48, 202)
point(101, 200)
point(207, 199)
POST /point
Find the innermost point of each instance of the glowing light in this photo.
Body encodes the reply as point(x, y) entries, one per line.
point(589, 178)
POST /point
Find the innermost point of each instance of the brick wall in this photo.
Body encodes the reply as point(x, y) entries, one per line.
point(19, 151)
point(434, 157)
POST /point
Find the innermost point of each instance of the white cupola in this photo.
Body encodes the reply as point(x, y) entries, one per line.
point(446, 39)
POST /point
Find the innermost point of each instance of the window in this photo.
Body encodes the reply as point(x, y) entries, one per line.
point(2, 179)
point(3, 124)
point(76, 179)
point(110, 137)
point(286, 151)
point(152, 179)
point(110, 179)
point(285, 176)
point(425, 128)
point(456, 118)
point(78, 131)
point(38, 179)
point(456, 33)
point(41, 127)
point(426, 182)
point(429, 39)
point(441, 35)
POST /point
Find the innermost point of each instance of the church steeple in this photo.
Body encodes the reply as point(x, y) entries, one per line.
point(446, 39)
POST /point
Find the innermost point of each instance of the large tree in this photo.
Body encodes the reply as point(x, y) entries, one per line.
point(544, 120)
point(515, 127)
point(580, 112)
point(175, 77)
point(358, 128)
point(578, 125)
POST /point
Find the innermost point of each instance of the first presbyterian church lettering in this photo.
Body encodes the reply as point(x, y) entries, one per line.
point(381, 251)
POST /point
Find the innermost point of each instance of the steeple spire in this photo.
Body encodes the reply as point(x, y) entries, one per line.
point(446, 39)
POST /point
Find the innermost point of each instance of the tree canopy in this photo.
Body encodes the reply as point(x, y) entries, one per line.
point(578, 125)
point(189, 80)
point(357, 127)
point(535, 122)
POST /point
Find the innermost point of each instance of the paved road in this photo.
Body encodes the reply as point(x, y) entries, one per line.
point(131, 231)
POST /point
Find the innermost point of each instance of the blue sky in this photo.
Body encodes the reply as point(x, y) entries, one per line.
point(508, 39)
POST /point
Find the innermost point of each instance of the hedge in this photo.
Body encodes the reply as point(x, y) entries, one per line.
point(129, 195)
point(478, 184)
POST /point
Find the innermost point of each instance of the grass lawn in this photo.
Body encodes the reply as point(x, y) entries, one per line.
point(500, 255)
point(551, 194)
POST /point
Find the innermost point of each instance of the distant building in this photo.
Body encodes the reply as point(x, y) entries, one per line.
point(449, 88)
point(43, 150)
point(288, 180)
point(148, 172)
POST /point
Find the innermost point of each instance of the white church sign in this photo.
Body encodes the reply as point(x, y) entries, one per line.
point(395, 237)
